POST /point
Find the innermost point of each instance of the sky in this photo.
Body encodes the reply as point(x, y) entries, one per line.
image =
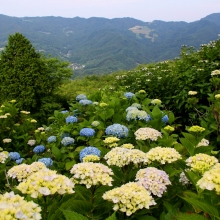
point(145, 10)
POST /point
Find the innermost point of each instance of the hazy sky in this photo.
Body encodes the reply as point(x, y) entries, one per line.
point(166, 10)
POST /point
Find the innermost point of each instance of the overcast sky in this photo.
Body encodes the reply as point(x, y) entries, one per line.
point(145, 10)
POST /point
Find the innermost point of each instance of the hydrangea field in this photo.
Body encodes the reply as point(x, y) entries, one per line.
point(114, 154)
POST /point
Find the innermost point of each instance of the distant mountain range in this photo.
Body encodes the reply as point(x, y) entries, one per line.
point(100, 45)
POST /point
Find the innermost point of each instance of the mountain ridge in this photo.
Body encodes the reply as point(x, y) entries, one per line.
point(101, 45)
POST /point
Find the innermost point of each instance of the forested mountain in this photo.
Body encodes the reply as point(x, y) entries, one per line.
point(100, 45)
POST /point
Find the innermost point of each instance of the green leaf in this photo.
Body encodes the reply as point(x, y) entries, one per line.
point(188, 145)
point(112, 217)
point(56, 152)
point(70, 164)
point(188, 216)
point(71, 215)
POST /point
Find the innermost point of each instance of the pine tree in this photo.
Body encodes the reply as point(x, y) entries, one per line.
point(23, 74)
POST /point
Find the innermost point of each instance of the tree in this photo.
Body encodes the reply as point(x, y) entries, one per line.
point(28, 77)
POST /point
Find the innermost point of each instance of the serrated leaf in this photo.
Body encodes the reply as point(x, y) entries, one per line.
point(71, 215)
point(188, 145)
point(112, 217)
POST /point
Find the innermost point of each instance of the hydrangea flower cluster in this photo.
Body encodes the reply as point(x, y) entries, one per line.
point(129, 198)
point(21, 172)
point(46, 182)
point(169, 128)
point(142, 91)
point(67, 141)
point(128, 146)
point(81, 97)
point(183, 179)
point(91, 158)
point(196, 129)
point(85, 102)
point(47, 161)
point(135, 114)
point(95, 123)
point(203, 142)
point(217, 96)
point(120, 157)
point(14, 155)
point(131, 108)
point(129, 95)
point(31, 142)
point(117, 130)
point(87, 132)
point(153, 180)
point(137, 105)
point(163, 155)
point(201, 162)
point(71, 119)
point(103, 104)
point(89, 173)
point(89, 151)
point(64, 111)
point(165, 119)
point(147, 133)
point(211, 179)
point(111, 141)
point(156, 102)
point(215, 72)
point(19, 161)
point(52, 139)
point(39, 149)
point(3, 156)
point(15, 207)
point(6, 140)
point(192, 93)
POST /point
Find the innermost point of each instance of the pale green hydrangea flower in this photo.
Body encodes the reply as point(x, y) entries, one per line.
point(147, 133)
point(196, 129)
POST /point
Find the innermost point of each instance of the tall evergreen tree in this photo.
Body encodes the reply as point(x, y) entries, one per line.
point(22, 73)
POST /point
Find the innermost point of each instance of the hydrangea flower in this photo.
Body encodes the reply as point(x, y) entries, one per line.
point(64, 111)
point(147, 133)
point(81, 97)
point(39, 149)
point(87, 132)
point(129, 95)
point(89, 151)
point(196, 129)
point(90, 174)
point(22, 171)
point(117, 130)
point(51, 139)
point(165, 119)
point(31, 142)
point(136, 114)
point(215, 72)
point(120, 157)
point(137, 105)
point(169, 128)
point(129, 198)
point(156, 102)
point(183, 179)
point(14, 155)
point(192, 93)
point(6, 140)
point(111, 141)
point(203, 142)
point(211, 179)
point(163, 155)
point(153, 180)
point(15, 207)
point(131, 108)
point(47, 161)
point(19, 161)
point(3, 156)
point(67, 141)
point(91, 158)
point(128, 146)
point(85, 102)
point(217, 96)
point(95, 123)
point(46, 182)
point(201, 162)
point(71, 119)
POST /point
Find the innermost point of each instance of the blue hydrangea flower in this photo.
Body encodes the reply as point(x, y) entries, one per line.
point(89, 151)
point(165, 119)
point(129, 95)
point(39, 149)
point(51, 139)
point(67, 141)
point(81, 97)
point(47, 161)
point(19, 161)
point(71, 119)
point(87, 132)
point(14, 155)
point(64, 111)
point(85, 102)
point(117, 130)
